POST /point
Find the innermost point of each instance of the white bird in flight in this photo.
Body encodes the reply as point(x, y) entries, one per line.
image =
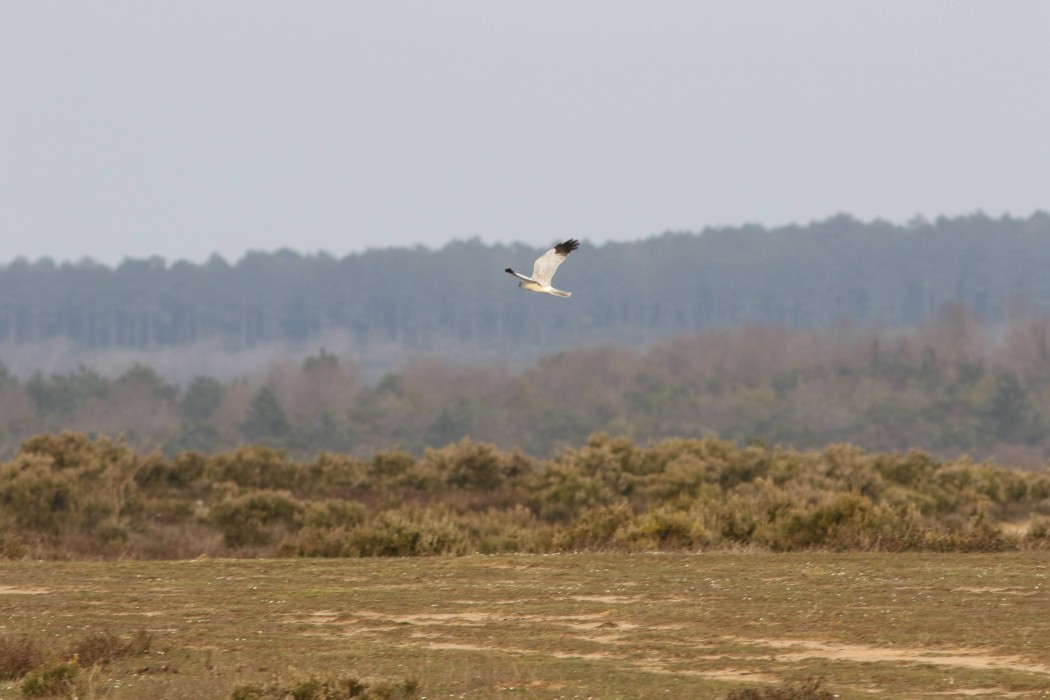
point(543, 270)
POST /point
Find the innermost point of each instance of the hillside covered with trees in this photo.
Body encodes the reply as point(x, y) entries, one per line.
point(831, 386)
point(953, 385)
point(456, 301)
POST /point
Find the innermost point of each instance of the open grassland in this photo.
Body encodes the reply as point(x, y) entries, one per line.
point(873, 625)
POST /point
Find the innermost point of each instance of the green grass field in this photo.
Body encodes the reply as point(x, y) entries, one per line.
point(559, 626)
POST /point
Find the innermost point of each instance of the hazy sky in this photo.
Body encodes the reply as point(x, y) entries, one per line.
point(138, 128)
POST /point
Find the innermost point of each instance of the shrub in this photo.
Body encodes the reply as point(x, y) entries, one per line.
point(18, 655)
point(334, 513)
point(50, 681)
point(470, 465)
point(845, 521)
point(745, 466)
point(506, 530)
point(328, 689)
point(806, 690)
point(665, 527)
point(253, 466)
point(106, 647)
point(1037, 535)
point(412, 531)
point(389, 467)
point(343, 471)
point(560, 491)
point(407, 532)
point(324, 531)
point(69, 450)
point(685, 475)
point(12, 546)
point(252, 519)
point(415, 531)
point(176, 475)
point(595, 528)
point(35, 496)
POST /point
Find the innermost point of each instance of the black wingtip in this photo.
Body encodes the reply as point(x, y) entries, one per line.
point(509, 270)
point(568, 246)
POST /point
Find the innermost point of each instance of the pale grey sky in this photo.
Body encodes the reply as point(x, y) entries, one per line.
point(138, 128)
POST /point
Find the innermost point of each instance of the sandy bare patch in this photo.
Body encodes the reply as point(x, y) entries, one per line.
point(721, 674)
point(592, 656)
point(1019, 529)
point(513, 601)
point(984, 692)
point(15, 590)
point(649, 665)
point(798, 650)
point(461, 619)
point(514, 566)
point(602, 638)
point(603, 598)
point(601, 625)
point(474, 618)
point(994, 589)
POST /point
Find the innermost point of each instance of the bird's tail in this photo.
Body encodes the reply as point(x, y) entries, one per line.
point(559, 293)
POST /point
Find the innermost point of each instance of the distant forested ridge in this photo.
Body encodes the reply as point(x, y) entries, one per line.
point(427, 300)
point(951, 386)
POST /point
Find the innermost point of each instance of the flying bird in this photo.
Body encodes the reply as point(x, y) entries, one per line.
point(543, 269)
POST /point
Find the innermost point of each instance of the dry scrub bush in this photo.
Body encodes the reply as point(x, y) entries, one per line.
point(256, 518)
point(843, 522)
point(343, 472)
point(58, 674)
point(665, 528)
point(19, 654)
point(66, 487)
point(1038, 533)
point(34, 497)
point(811, 689)
point(60, 679)
point(595, 529)
point(330, 689)
point(106, 647)
point(67, 495)
point(412, 531)
point(471, 465)
point(12, 546)
point(406, 532)
point(254, 466)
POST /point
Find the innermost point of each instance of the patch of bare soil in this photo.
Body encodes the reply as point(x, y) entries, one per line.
point(15, 590)
point(603, 598)
point(995, 589)
point(650, 665)
point(984, 692)
point(799, 649)
point(613, 635)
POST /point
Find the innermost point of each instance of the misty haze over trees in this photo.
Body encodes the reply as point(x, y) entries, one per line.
point(383, 306)
point(932, 336)
point(778, 389)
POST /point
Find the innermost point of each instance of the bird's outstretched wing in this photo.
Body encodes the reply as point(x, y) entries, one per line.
point(547, 263)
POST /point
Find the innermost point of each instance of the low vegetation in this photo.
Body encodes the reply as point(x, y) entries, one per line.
point(47, 669)
point(329, 689)
point(719, 625)
point(69, 495)
point(807, 690)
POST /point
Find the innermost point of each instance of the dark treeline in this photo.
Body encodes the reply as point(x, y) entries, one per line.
point(455, 297)
point(953, 385)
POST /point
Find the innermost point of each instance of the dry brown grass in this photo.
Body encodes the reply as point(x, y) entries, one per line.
point(559, 626)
